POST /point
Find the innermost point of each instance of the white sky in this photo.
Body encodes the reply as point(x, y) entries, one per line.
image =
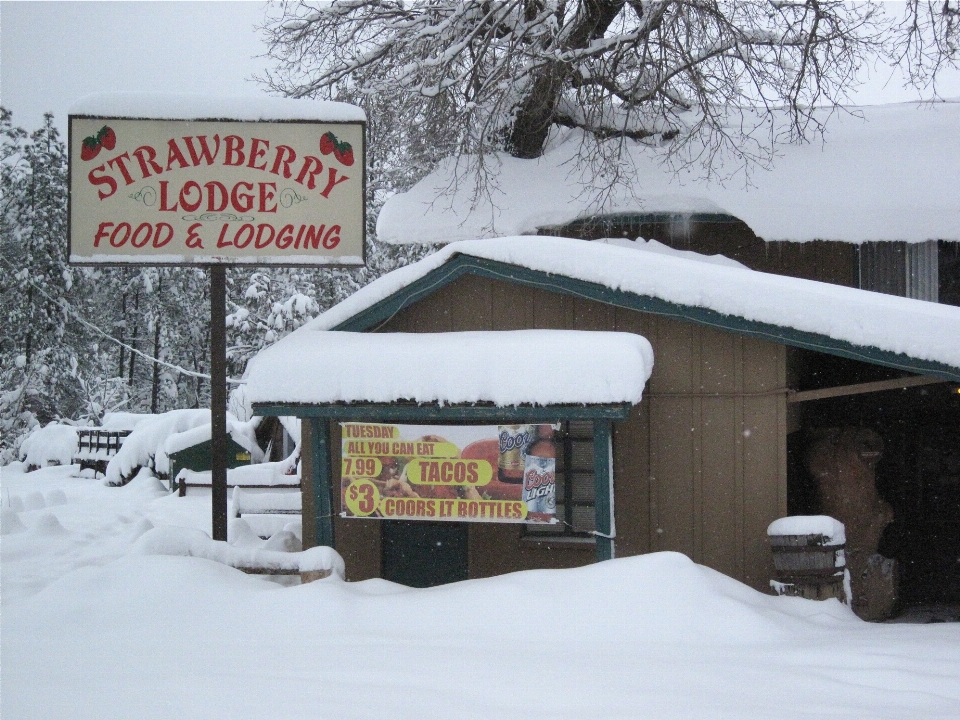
point(52, 53)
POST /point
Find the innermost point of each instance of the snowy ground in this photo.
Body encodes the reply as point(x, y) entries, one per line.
point(91, 630)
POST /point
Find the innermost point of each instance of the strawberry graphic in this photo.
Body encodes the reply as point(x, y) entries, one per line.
point(107, 137)
point(344, 153)
point(90, 148)
point(328, 142)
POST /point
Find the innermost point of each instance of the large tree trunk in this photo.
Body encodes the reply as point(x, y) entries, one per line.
point(532, 123)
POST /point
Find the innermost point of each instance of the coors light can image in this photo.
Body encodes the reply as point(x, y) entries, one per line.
point(540, 477)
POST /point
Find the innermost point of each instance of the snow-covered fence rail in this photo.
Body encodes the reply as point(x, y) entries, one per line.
point(95, 447)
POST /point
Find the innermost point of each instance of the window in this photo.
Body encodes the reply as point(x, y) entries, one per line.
point(576, 493)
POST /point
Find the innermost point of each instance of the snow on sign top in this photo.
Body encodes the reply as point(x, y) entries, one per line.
point(543, 367)
point(880, 173)
point(921, 330)
point(190, 179)
point(199, 106)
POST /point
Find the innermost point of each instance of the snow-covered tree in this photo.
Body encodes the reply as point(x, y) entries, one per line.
point(691, 78)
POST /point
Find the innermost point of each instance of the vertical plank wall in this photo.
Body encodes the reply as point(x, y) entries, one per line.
point(699, 468)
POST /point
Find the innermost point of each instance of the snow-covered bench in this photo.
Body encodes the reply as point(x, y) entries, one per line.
point(95, 447)
point(266, 512)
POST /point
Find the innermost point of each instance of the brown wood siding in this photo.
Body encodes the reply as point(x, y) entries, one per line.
point(699, 468)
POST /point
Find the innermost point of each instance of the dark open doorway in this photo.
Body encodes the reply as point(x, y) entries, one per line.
point(424, 554)
point(918, 472)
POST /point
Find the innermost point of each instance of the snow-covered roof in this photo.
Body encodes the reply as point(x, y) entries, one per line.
point(920, 330)
point(200, 106)
point(889, 172)
point(542, 367)
point(242, 433)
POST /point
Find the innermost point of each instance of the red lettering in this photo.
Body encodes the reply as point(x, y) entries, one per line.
point(242, 202)
point(188, 187)
point(299, 235)
point(331, 182)
point(194, 240)
point(279, 161)
point(101, 233)
point(332, 238)
point(285, 238)
point(235, 154)
point(204, 153)
point(222, 240)
point(164, 206)
point(212, 186)
point(157, 242)
point(102, 180)
point(126, 234)
point(311, 175)
point(175, 155)
point(260, 243)
point(472, 474)
point(148, 233)
point(257, 152)
point(119, 162)
point(266, 197)
point(313, 237)
point(147, 158)
point(245, 228)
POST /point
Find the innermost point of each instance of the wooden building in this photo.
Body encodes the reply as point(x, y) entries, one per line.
point(703, 464)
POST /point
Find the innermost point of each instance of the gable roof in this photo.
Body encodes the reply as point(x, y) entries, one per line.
point(910, 335)
point(887, 172)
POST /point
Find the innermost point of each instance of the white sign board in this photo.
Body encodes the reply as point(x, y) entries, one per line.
point(200, 192)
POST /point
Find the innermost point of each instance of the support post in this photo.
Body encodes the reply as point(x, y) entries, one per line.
point(321, 480)
point(603, 485)
point(218, 400)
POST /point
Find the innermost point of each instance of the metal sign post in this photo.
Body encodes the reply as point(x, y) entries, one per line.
point(218, 400)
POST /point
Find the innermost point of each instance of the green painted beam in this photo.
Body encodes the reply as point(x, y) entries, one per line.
point(460, 265)
point(322, 481)
point(454, 414)
point(603, 487)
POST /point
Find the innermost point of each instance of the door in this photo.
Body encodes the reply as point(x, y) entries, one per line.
point(424, 554)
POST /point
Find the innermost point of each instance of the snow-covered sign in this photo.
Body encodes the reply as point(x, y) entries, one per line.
point(157, 179)
point(454, 473)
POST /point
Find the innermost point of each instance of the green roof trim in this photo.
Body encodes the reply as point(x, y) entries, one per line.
point(431, 412)
point(460, 265)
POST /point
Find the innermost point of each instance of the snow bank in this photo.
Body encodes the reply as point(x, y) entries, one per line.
point(202, 106)
point(832, 530)
point(54, 443)
point(195, 543)
point(918, 329)
point(886, 172)
point(93, 630)
point(123, 420)
point(144, 446)
point(508, 368)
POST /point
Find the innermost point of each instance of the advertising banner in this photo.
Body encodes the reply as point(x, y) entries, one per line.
point(457, 473)
point(216, 192)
